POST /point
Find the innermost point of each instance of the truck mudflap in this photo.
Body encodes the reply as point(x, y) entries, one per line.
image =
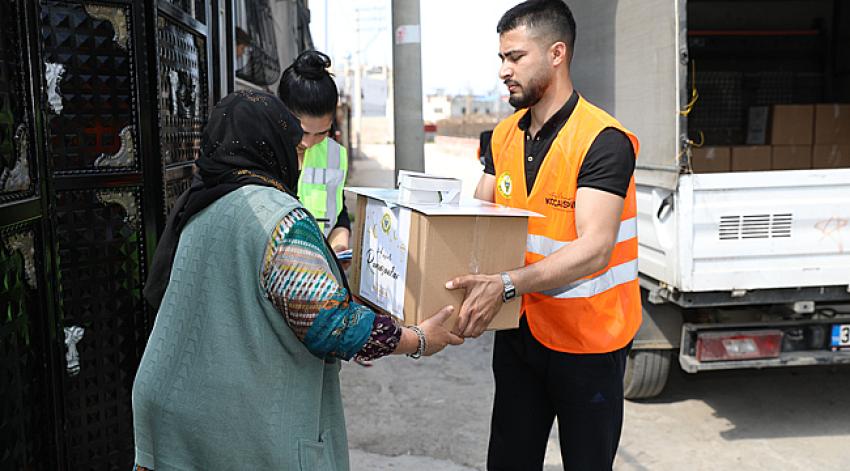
point(711, 347)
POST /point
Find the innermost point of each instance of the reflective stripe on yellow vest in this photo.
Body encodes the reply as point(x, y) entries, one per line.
point(320, 187)
point(600, 312)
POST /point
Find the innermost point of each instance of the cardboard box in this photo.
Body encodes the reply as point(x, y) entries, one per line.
point(791, 158)
point(404, 253)
point(832, 124)
point(711, 159)
point(792, 125)
point(757, 125)
point(750, 158)
point(831, 156)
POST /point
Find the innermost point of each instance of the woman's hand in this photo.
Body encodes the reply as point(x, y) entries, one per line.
point(437, 336)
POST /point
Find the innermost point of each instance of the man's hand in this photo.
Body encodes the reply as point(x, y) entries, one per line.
point(482, 301)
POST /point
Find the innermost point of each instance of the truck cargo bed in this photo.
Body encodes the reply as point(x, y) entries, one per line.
point(747, 231)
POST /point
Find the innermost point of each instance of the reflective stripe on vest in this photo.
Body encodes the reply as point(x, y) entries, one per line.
point(332, 211)
point(545, 246)
point(614, 276)
point(327, 172)
point(601, 312)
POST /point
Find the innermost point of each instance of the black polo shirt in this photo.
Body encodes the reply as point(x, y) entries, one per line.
point(608, 165)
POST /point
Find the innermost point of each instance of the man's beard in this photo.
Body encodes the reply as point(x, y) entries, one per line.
point(530, 94)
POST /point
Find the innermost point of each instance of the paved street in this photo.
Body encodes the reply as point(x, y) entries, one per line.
point(433, 414)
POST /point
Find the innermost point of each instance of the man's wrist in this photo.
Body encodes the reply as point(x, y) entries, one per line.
point(508, 288)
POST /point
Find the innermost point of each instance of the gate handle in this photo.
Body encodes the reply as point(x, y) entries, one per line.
point(73, 335)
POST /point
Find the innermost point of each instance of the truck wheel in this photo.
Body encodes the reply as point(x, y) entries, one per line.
point(646, 373)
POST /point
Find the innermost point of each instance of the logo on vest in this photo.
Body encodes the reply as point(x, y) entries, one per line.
point(560, 202)
point(505, 185)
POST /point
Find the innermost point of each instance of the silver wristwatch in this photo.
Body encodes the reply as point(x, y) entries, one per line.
point(510, 290)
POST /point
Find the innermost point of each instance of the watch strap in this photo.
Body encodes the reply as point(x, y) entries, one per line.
point(510, 290)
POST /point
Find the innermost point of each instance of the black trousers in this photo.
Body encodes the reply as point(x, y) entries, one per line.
point(534, 385)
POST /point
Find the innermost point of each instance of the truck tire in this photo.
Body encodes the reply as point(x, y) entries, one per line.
point(646, 373)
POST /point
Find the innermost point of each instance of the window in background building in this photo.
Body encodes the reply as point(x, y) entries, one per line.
point(256, 45)
point(194, 8)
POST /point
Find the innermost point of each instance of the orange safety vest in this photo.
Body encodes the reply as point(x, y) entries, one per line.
point(599, 313)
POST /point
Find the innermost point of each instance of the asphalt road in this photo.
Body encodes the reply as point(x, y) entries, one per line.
point(433, 414)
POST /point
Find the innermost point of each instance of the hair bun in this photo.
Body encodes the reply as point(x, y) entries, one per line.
point(312, 65)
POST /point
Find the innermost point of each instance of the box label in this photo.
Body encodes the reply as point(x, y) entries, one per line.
point(383, 266)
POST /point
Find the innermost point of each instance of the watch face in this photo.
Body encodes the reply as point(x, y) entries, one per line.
point(510, 290)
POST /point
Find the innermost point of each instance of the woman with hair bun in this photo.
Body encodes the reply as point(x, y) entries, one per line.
point(309, 91)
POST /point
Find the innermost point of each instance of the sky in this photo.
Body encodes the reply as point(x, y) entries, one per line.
point(459, 40)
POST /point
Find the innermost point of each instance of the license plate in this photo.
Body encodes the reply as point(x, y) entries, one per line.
point(841, 335)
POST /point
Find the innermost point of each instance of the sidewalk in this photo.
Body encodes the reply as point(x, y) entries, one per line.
point(361, 460)
point(431, 414)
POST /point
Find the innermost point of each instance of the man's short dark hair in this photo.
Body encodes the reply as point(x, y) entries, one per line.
point(551, 19)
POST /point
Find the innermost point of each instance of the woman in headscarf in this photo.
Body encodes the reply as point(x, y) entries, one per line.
point(241, 369)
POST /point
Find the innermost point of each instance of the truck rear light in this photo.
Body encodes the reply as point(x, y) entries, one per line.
point(740, 345)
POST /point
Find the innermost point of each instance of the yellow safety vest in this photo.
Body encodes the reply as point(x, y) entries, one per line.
point(320, 186)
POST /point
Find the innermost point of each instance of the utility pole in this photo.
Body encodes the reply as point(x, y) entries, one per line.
point(390, 105)
point(408, 126)
point(326, 46)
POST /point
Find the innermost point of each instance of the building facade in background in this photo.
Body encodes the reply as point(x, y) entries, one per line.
point(440, 106)
point(269, 36)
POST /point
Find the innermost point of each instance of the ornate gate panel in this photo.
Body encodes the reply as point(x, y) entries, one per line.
point(91, 90)
point(183, 87)
point(27, 415)
point(91, 96)
point(101, 266)
point(25, 400)
point(90, 163)
point(17, 175)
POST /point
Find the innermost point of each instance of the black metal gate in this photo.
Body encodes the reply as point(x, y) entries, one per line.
point(101, 109)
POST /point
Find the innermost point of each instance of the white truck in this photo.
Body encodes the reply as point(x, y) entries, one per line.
point(737, 269)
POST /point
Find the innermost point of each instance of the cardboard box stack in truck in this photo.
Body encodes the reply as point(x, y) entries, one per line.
point(802, 137)
point(743, 180)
